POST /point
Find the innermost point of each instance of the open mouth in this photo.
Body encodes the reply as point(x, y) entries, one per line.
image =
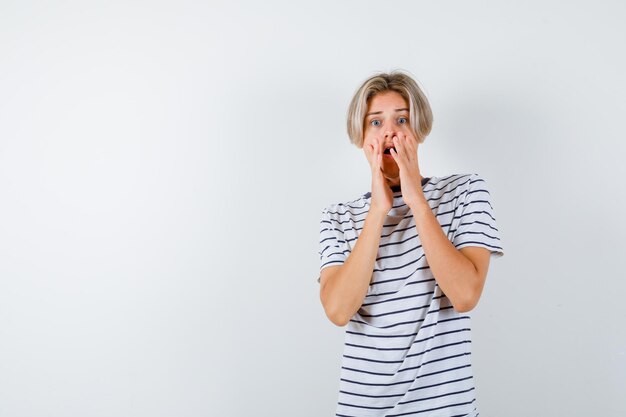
point(388, 151)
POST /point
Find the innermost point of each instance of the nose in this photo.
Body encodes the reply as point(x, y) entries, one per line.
point(390, 134)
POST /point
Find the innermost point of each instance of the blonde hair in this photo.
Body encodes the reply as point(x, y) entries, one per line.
point(420, 115)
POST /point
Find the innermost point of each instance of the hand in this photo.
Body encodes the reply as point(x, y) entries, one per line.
point(405, 156)
point(382, 196)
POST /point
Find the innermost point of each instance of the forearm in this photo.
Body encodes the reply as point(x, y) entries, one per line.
point(345, 292)
point(454, 272)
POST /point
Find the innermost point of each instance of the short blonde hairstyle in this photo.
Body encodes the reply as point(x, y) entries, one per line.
point(420, 115)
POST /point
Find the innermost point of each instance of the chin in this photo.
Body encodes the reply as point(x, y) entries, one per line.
point(392, 179)
point(392, 176)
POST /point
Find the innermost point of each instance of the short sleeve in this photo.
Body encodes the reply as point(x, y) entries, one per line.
point(332, 246)
point(477, 220)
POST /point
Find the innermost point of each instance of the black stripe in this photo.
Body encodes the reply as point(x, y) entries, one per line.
point(437, 396)
point(475, 212)
point(331, 262)
point(403, 414)
point(478, 242)
point(457, 185)
point(401, 323)
point(406, 382)
point(343, 253)
point(401, 311)
point(445, 320)
point(398, 298)
point(410, 390)
point(458, 177)
point(391, 268)
point(327, 238)
point(458, 355)
point(407, 369)
point(400, 278)
point(392, 325)
point(421, 281)
point(329, 246)
point(431, 409)
point(414, 342)
point(411, 334)
point(475, 221)
point(376, 385)
point(372, 396)
point(478, 233)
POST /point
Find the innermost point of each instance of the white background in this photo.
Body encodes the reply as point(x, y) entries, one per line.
point(164, 165)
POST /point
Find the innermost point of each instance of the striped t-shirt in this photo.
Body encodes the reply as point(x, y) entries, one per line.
point(407, 351)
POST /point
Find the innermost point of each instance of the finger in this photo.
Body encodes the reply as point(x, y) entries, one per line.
point(375, 154)
point(410, 143)
point(394, 154)
point(398, 144)
point(405, 140)
point(369, 151)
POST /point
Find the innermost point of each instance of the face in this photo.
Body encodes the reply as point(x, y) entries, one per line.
point(387, 114)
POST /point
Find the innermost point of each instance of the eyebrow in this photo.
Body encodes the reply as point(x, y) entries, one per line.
point(380, 112)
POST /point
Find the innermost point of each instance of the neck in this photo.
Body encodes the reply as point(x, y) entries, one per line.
point(398, 187)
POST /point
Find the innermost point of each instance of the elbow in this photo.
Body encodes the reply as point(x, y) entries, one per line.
point(335, 315)
point(332, 309)
point(466, 304)
point(464, 307)
point(338, 319)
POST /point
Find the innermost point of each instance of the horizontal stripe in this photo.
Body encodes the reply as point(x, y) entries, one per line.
point(410, 390)
point(437, 396)
point(421, 281)
point(402, 323)
point(456, 368)
point(414, 342)
point(402, 278)
point(411, 355)
point(398, 298)
point(478, 233)
point(430, 409)
point(476, 222)
point(477, 242)
point(409, 368)
point(400, 311)
point(331, 262)
point(408, 402)
point(458, 355)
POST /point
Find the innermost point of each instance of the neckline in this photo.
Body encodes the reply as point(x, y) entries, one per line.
point(397, 188)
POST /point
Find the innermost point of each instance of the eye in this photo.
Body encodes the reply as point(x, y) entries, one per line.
point(402, 120)
point(375, 122)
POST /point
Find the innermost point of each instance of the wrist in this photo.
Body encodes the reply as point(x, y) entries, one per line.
point(376, 214)
point(420, 207)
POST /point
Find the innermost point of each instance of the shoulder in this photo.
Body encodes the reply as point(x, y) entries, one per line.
point(341, 212)
point(348, 206)
point(451, 183)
